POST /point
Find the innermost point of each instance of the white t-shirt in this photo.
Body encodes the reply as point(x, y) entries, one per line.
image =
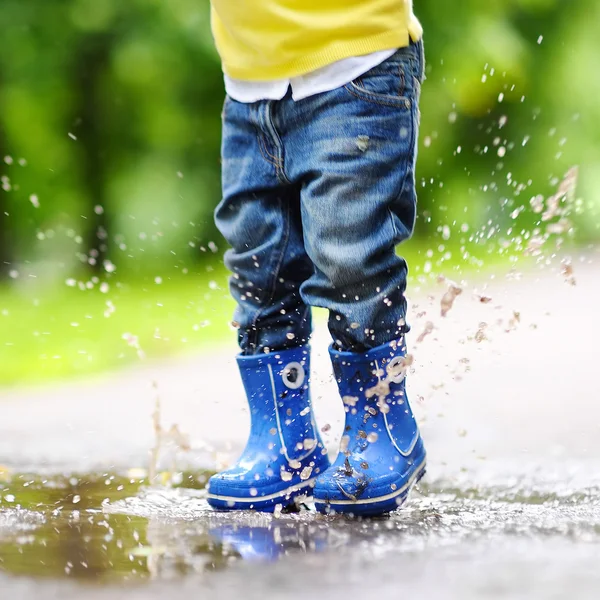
point(324, 79)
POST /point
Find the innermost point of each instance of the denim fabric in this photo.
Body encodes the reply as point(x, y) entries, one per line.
point(317, 193)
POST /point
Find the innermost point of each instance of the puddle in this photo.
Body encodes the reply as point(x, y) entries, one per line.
point(57, 527)
point(107, 528)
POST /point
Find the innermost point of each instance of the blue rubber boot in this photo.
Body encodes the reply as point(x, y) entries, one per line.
point(284, 453)
point(381, 455)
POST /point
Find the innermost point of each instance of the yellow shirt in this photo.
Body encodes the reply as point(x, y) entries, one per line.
point(261, 40)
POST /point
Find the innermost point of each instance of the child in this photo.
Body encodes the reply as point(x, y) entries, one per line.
point(319, 146)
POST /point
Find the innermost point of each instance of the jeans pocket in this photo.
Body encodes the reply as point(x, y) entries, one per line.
point(391, 83)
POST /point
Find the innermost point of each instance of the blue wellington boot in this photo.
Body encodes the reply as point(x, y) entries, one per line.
point(381, 455)
point(284, 453)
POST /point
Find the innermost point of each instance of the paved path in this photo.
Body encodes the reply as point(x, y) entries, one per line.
point(510, 414)
point(529, 398)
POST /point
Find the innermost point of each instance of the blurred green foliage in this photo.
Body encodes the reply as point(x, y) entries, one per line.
point(110, 134)
point(509, 106)
point(114, 108)
point(107, 107)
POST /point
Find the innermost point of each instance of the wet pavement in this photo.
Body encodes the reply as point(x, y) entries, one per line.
point(510, 507)
point(110, 536)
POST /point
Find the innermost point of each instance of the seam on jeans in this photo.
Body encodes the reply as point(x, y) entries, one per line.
point(276, 270)
point(402, 102)
point(404, 65)
point(417, 86)
point(402, 77)
point(278, 144)
point(422, 62)
point(405, 178)
point(359, 85)
point(276, 160)
point(264, 151)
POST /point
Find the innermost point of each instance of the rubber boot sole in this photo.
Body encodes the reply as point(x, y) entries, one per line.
point(286, 498)
point(371, 507)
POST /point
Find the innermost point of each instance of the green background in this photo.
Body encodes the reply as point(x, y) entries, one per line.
point(109, 164)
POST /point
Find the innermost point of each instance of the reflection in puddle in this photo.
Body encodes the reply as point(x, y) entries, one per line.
point(58, 528)
point(110, 528)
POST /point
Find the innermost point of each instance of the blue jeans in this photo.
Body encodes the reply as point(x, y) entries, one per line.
point(317, 193)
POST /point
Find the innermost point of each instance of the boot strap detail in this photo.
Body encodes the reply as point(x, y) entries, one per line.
point(413, 443)
point(284, 448)
point(293, 375)
point(396, 373)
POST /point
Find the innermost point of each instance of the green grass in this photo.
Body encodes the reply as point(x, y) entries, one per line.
point(50, 333)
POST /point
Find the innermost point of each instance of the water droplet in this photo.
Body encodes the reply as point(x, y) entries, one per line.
point(109, 266)
point(309, 443)
point(305, 473)
point(362, 142)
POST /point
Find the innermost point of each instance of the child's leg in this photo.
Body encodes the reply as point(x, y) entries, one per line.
point(259, 217)
point(354, 149)
point(359, 202)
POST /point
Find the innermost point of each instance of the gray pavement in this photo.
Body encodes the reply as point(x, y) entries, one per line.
point(509, 411)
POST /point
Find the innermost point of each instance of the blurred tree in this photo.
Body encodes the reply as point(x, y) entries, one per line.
point(90, 122)
point(5, 242)
point(110, 125)
point(138, 86)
